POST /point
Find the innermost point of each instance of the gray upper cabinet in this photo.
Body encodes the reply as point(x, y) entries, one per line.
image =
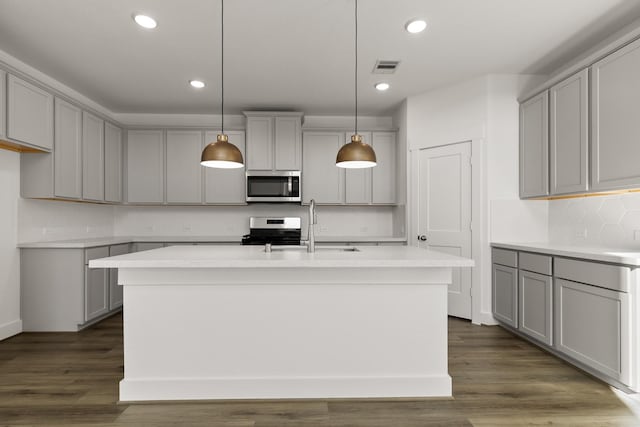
point(569, 134)
point(112, 163)
point(92, 157)
point(226, 186)
point(288, 143)
point(321, 179)
point(384, 173)
point(145, 166)
point(534, 146)
point(68, 150)
point(29, 114)
point(184, 172)
point(274, 141)
point(615, 124)
point(358, 181)
point(3, 104)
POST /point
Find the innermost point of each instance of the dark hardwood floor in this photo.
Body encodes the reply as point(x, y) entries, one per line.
point(63, 379)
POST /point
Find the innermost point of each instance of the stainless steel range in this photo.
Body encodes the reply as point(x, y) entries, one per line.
point(277, 231)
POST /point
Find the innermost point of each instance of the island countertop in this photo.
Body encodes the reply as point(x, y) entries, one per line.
point(289, 257)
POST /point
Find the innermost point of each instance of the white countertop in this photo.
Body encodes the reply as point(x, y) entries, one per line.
point(612, 255)
point(116, 240)
point(256, 257)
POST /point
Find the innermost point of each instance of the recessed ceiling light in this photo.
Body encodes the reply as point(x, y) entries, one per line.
point(145, 21)
point(416, 26)
point(197, 84)
point(382, 86)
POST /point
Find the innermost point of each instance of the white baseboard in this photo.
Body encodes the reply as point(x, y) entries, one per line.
point(284, 388)
point(10, 329)
point(486, 318)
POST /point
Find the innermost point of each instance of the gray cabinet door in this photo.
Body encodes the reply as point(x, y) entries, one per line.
point(615, 127)
point(384, 173)
point(112, 163)
point(226, 186)
point(321, 179)
point(3, 105)
point(68, 150)
point(96, 285)
point(358, 181)
point(505, 295)
point(115, 291)
point(145, 166)
point(535, 309)
point(92, 157)
point(288, 143)
point(592, 327)
point(184, 172)
point(29, 113)
point(259, 143)
point(534, 146)
point(569, 134)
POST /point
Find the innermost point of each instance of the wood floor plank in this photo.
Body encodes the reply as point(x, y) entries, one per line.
point(71, 379)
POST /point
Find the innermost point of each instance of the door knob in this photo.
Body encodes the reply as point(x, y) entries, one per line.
point(422, 237)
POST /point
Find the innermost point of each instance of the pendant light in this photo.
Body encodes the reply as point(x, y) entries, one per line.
point(357, 154)
point(222, 154)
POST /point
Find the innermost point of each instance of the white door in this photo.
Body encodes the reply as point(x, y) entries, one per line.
point(444, 213)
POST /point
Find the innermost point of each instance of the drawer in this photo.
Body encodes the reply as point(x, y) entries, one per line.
point(95, 253)
point(608, 276)
point(504, 257)
point(536, 263)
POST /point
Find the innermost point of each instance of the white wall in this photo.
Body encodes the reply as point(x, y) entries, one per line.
point(609, 221)
point(47, 220)
point(483, 110)
point(234, 220)
point(10, 323)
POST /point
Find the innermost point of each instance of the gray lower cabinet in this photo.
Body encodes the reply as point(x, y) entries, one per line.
point(534, 146)
point(96, 285)
point(115, 291)
point(58, 290)
point(505, 294)
point(615, 128)
point(592, 327)
point(535, 305)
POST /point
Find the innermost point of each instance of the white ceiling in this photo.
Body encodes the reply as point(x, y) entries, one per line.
point(293, 54)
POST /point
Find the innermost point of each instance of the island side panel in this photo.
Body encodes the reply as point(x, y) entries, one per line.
point(257, 333)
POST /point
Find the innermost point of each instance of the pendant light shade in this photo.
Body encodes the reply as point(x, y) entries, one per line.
point(357, 154)
point(222, 154)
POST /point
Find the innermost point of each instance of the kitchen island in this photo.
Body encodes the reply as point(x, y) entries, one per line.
point(240, 323)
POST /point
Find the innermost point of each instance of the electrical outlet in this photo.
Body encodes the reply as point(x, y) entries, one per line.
point(364, 229)
point(324, 228)
point(581, 234)
point(149, 227)
point(636, 234)
point(186, 227)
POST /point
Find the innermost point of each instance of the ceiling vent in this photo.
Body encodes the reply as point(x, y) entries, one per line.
point(385, 67)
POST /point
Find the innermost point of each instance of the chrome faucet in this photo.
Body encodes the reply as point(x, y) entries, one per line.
point(313, 220)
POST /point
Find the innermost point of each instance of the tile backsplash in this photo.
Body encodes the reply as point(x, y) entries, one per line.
point(611, 221)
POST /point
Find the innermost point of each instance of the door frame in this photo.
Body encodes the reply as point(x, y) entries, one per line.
point(478, 232)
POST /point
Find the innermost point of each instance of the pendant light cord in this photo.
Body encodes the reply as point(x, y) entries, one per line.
point(222, 65)
point(356, 71)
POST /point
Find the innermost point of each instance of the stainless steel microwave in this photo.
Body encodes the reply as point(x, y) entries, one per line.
point(273, 187)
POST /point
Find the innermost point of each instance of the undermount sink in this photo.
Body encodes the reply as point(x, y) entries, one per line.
point(282, 248)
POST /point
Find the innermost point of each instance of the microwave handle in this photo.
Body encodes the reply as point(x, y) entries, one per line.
point(290, 185)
